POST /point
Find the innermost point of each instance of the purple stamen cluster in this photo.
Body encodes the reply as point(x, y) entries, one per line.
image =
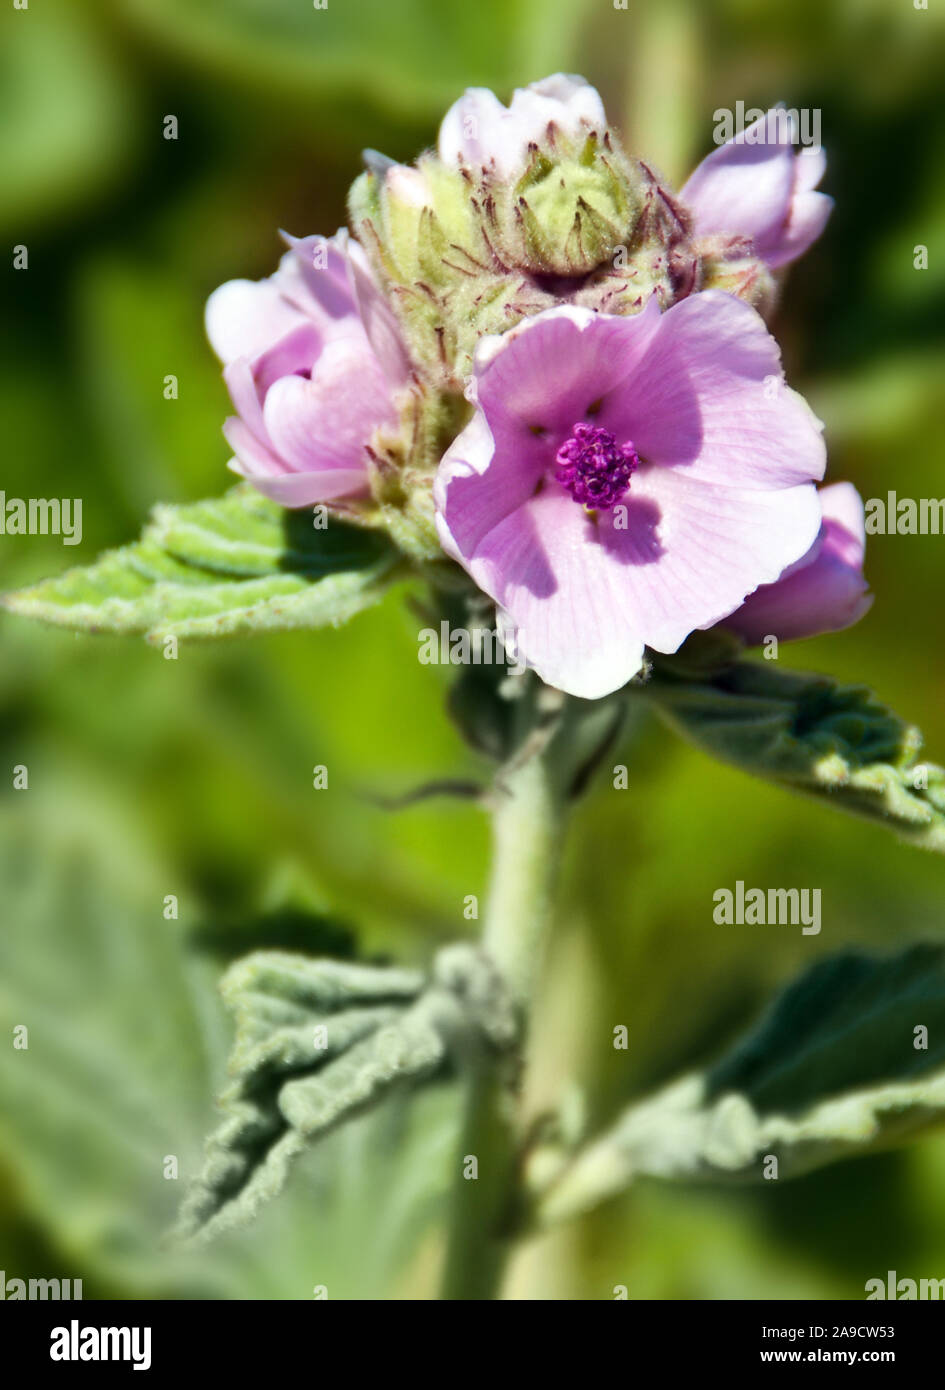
point(594, 468)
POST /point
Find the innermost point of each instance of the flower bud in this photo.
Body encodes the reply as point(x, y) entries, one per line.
point(568, 211)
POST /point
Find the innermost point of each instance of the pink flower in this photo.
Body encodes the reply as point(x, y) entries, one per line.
point(312, 357)
point(755, 186)
point(479, 132)
point(825, 590)
point(701, 462)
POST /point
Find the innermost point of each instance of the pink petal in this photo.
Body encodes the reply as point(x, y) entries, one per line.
point(323, 294)
point(763, 191)
point(808, 218)
point(245, 317)
point(304, 489)
point(744, 187)
point(253, 455)
point(582, 597)
point(470, 505)
point(479, 131)
point(692, 552)
point(842, 508)
point(380, 323)
point(565, 100)
point(546, 372)
point(709, 397)
point(564, 617)
point(238, 376)
point(723, 501)
point(520, 422)
point(326, 421)
point(810, 165)
point(469, 132)
point(296, 352)
point(826, 591)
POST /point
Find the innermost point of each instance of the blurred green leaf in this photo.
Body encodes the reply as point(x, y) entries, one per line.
point(414, 57)
point(846, 1023)
point(840, 1065)
point(211, 569)
point(126, 1043)
point(65, 109)
point(179, 449)
point(812, 734)
point(118, 1041)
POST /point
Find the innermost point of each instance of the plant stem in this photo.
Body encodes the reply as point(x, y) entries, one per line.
point(527, 829)
point(526, 842)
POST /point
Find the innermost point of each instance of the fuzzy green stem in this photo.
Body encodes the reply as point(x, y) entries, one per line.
point(526, 842)
point(527, 829)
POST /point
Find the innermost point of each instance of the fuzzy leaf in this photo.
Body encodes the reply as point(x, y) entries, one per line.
point(233, 564)
point(317, 1043)
point(812, 734)
point(833, 1070)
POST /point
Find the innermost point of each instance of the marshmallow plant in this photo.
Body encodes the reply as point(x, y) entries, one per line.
point(534, 382)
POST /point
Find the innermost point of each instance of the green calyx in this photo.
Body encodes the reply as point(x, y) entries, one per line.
point(463, 253)
point(420, 232)
point(568, 212)
point(402, 462)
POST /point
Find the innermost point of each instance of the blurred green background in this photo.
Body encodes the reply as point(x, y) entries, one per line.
point(149, 777)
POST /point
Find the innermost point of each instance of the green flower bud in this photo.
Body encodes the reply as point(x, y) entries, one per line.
point(507, 220)
point(567, 212)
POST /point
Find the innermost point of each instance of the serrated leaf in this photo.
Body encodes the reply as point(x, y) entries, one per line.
point(233, 564)
point(833, 1070)
point(317, 1043)
point(812, 734)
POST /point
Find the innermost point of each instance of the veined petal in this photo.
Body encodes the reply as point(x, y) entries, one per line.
point(555, 593)
point(756, 186)
point(709, 397)
point(583, 355)
point(313, 275)
point(325, 422)
point(584, 596)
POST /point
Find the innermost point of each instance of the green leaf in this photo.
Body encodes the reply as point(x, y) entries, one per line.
point(317, 1043)
point(836, 1068)
point(812, 734)
point(233, 564)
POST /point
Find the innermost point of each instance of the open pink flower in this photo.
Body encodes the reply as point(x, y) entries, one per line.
point(479, 132)
point(625, 480)
point(312, 356)
point(756, 186)
point(825, 590)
